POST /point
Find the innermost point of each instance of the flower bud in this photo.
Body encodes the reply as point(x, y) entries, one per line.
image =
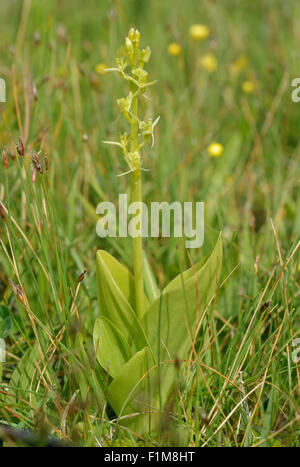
point(137, 37)
point(129, 46)
point(131, 34)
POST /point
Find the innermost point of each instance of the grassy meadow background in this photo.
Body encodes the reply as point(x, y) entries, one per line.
point(243, 389)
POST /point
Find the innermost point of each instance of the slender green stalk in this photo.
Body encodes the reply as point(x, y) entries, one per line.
point(136, 194)
point(136, 188)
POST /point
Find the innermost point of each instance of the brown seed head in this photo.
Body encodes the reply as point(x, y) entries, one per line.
point(36, 163)
point(4, 157)
point(46, 162)
point(20, 147)
point(82, 276)
point(2, 212)
point(34, 92)
point(17, 291)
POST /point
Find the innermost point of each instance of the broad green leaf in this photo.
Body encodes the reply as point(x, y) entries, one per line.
point(123, 278)
point(114, 292)
point(113, 352)
point(171, 322)
point(129, 393)
point(174, 316)
point(177, 281)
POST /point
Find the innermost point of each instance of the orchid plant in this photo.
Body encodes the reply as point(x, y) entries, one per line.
point(139, 337)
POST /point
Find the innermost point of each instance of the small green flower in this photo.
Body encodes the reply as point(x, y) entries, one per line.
point(125, 105)
point(145, 55)
point(141, 75)
point(147, 129)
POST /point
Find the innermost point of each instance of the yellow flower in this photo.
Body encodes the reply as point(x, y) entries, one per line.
point(238, 64)
point(209, 62)
point(174, 49)
point(248, 87)
point(199, 32)
point(215, 149)
point(100, 68)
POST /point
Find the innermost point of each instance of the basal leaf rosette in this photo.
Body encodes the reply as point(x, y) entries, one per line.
point(140, 355)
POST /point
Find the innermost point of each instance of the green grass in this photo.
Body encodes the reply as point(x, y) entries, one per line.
point(243, 388)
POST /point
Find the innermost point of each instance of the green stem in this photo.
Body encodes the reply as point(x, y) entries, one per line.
point(136, 192)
